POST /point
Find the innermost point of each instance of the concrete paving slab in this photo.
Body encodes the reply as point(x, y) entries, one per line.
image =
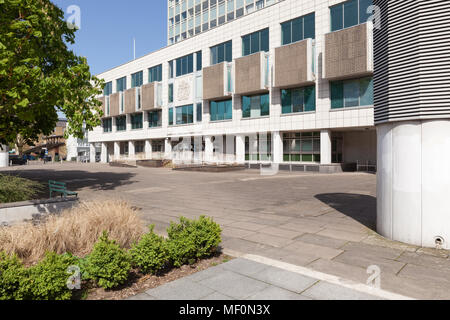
point(366, 260)
point(343, 235)
point(270, 240)
point(314, 250)
point(322, 240)
point(283, 233)
point(216, 296)
point(244, 267)
point(285, 279)
point(234, 285)
point(274, 293)
point(182, 289)
point(328, 291)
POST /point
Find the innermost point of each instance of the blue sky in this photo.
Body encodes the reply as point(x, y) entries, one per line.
point(108, 28)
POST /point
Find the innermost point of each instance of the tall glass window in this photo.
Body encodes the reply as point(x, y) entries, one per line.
point(349, 14)
point(121, 84)
point(255, 42)
point(185, 65)
point(351, 93)
point(137, 121)
point(198, 61)
point(121, 123)
point(137, 79)
point(298, 29)
point(222, 52)
point(298, 100)
point(255, 106)
point(301, 147)
point(185, 114)
point(171, 69)
point(170, 116)
point(154, 119)
point(155, 74)
point(199, 111)
point(107, 125)
point(108, 89)
point(170, 92)
point(221, 110)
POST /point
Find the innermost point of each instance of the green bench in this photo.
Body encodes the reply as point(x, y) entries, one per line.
point(61, 188)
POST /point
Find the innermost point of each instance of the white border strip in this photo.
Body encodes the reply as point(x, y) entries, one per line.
point(323, 277)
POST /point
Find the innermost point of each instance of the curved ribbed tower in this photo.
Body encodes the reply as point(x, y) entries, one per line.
point(412, 114)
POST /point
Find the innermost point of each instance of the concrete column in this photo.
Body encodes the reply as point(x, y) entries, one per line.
point(4, 156)
point(413, 183)
point(116, 150)
point(277, 146)
point(148, 149)
point(145, 116)
point(240, 149)
point(131, 150)
point(92, 152)
point(128, 122)
point(168, 149)
point(209, 149)
point(104, 154)
point(325, 147)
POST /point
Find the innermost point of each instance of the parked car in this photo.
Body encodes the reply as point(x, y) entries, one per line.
point(17, 161)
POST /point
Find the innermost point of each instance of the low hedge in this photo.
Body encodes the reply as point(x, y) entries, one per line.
point(15, 189)
point(109, 265)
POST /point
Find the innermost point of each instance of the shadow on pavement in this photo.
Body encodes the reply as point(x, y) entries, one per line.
point(362, 208)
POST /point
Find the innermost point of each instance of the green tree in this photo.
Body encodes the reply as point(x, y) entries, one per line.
point(40, 75)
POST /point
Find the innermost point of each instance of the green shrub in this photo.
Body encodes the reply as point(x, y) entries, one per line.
point(48, 279)
point(15, 189)
point(150, 253)
point(190, 240)
point(108, 264)
point(13, 278)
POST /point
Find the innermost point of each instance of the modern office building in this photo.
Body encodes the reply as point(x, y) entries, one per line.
point(188, 18)
point(289, 84)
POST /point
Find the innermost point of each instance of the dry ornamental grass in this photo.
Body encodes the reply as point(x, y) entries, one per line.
point(75, 231)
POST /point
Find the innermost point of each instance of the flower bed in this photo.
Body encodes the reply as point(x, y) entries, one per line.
point(109, 265)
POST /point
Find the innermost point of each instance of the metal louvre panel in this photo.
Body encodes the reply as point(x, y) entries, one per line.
point(412, 60)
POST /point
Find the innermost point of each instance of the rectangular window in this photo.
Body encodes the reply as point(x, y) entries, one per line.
point(185, 114)
point(349, 14)
point(155, 74)
point(301, 147)
point(222, 52)
point(221, 110)
point(171, 93)
point(139, 147)
point(258, 148)
point(198, 61)
point(351, 93)
point(121, 123)
point(108, 89)
point(170, 116)
point(137, 121)
point(199, 112)
point(154, 119)
point(298, 100)
point(171, 69)
point(255, 106)
point(298, 29)
point(121, 84)
point(107, 125)
point(185, 65)
point(255, 42)
point(137, 79)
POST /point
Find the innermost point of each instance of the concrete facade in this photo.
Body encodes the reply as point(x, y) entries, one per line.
point(258, 73)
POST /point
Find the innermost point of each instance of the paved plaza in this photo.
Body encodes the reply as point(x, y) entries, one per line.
point(323, 223)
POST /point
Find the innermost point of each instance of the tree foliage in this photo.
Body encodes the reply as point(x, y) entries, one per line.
point(40, 75)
